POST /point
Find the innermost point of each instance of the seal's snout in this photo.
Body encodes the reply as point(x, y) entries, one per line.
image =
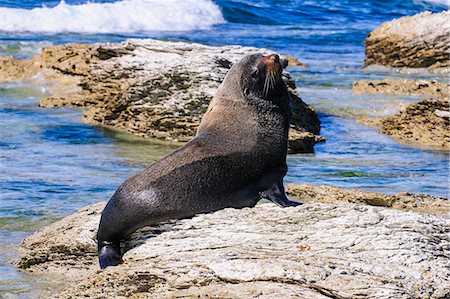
point(271, 59)
point(272, 63)
point(274, 69)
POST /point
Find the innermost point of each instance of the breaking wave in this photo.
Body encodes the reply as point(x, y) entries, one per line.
point(126, 16)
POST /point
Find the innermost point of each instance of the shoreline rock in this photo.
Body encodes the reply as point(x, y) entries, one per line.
point(147, 87)
point(419, 203)
point(419, 41)
point(402, 87)
point(424, 124)
point(338, 249)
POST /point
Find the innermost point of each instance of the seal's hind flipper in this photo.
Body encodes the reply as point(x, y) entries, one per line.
point(277, 195)
point(109, 254)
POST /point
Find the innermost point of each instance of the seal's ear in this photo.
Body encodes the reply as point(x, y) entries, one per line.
point(284, 63)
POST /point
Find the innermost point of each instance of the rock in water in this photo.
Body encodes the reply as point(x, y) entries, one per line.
point(312, 251)
point(425, 124)
point(419, 41)
point(403, 87)
point(147, 87)
point(422, 203)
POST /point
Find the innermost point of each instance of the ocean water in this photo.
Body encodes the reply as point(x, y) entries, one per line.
point(51, 163)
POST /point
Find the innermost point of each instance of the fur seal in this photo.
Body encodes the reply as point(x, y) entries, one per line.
point(237, 157)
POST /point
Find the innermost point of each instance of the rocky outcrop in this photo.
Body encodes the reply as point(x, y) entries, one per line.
point(419, 41)
point(403, 87)
point(146, 87)
point(302, 142)
point(424, 124)
point(337, 250)
point(65, 247)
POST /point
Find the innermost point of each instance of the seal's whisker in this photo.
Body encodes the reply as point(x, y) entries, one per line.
point(266, 86)
point(272, 80)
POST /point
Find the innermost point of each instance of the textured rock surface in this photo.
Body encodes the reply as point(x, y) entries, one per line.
point(63, 244)
point(424, 124)
point(402, 87)
point(419, 41)
point(421, 203)
point(311, 251)
point(302, 142)
point(146, 87)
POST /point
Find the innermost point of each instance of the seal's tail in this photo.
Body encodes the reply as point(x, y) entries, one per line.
point(109, 254)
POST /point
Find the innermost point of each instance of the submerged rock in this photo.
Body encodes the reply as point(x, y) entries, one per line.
point(311, 251)
point(146, 87)
point(419, 41)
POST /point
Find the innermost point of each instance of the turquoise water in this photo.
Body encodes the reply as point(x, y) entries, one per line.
point(51, 163)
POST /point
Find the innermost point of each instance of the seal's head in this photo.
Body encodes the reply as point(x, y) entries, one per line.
point(255, 77)
point(262, 76)
point(253, 91)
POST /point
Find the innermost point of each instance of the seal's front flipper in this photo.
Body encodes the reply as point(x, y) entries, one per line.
point(277, 195)
point(109, 254)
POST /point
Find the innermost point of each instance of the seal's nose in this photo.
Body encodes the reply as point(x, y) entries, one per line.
point(272, 58)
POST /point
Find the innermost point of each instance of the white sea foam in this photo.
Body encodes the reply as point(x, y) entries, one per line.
point(126, 16)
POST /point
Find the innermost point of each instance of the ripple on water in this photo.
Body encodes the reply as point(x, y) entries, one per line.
point(358, 157)
point(72, 134)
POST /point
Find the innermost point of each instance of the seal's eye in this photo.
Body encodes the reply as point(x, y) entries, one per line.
point(255, 74)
